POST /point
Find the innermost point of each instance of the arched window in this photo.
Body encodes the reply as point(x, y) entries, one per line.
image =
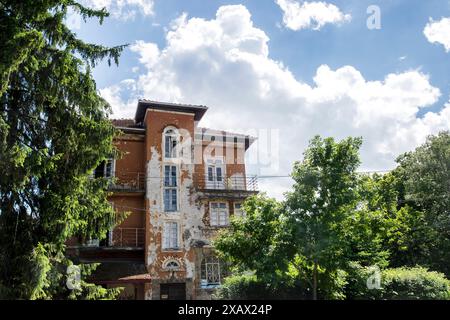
point(171, 142)
point(171, 265)
point(212, 271)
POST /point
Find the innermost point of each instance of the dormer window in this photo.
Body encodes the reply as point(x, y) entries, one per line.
point(171, 142)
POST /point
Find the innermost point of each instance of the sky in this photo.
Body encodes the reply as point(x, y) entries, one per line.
point(285, 71)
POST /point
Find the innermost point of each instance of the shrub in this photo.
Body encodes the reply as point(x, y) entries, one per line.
point(249, 287)
point(242, 287)
point(399, 284)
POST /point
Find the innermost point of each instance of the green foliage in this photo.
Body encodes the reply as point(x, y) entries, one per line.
point(46, 276)
point(424, 185)
point(336, 226)
point(54, 130)
point(243, 287)
point(324, 196)
point(250, 287)
point(399, 284)
point(260, 241)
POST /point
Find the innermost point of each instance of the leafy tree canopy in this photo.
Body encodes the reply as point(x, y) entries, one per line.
point(54, 131)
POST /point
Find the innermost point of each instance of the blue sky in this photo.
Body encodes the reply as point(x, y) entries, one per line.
point(373, 52)
point(330, 81)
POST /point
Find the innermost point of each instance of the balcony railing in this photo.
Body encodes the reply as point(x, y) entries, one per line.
point(237, 183)
point(128, 181)
point(127, 237)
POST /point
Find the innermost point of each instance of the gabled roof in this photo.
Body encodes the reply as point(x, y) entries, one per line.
point(143, 105)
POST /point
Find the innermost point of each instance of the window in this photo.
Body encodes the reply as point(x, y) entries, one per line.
point(105, 169)
point(170, 189)
point(219, 214)
point(214, 174)
point(238, 210)
point(170, 235)
point(212, 271)
point(171, 265)
point(171, 141)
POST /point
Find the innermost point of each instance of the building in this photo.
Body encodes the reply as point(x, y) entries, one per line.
point(180, 184)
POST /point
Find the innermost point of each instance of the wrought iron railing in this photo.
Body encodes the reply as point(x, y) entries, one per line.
point(128, 181)
point(238, 183)
point(127, 237)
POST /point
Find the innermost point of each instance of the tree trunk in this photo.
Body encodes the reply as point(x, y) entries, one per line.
point(315, 282)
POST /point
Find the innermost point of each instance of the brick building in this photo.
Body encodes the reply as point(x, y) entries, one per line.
point(180, 184)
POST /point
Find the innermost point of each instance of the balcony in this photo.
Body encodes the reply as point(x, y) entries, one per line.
point(128, 182)
point(228, 183)
point(127, 238)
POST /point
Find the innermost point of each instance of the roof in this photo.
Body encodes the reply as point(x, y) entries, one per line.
point(143, 105)
point(221, 133)
point(120, 272)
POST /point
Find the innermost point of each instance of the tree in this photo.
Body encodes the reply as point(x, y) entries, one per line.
point(424, 185)
point(260, 242)
point(324, 195)
point(336, 225)
point(305, 244)
point(54, 131)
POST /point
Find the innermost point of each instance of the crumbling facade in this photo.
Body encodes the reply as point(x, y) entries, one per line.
point(179, 184)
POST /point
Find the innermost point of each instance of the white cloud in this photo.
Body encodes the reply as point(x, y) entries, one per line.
point(225, 63)
point(149, 52)
point(310, 15)
point(438, 32)
point(123, 9)
point(122, 107)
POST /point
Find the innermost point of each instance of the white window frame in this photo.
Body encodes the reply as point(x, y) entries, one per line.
point(213, 179)
point(168, 241)
point(211, 269)
point(113, 168)
point(215, 214)
point(239, 212)
point(174, 151)
point(167, 266)
point(172, 188)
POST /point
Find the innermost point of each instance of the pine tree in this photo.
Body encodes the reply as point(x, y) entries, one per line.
point(54, 130)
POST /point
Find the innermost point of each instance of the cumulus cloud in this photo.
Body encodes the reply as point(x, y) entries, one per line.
point(123, 103)
point(123, 9)
point(438, 32)
point(310, 15)
point(225, 63)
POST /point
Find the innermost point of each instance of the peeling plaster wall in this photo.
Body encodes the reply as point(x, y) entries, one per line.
point(195, 234)
point(189, 216)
